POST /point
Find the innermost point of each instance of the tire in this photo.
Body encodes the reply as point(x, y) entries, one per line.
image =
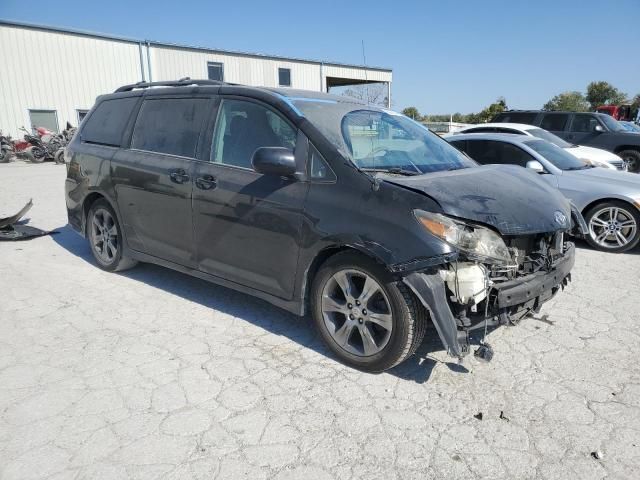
point(58, 157)
point(35, 154)
point(632, 159)
point(404, 316)
point(105, 238)
point(7, 156)
point(616, 220)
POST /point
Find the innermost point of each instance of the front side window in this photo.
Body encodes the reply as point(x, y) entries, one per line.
point(557, 156)
point(611, 123)
point(215, 71)
point(242, 127)
point(170, 125)
point(584, 123)
point(382, 140)
point(106, 124)
point(284, 77)
point(554, 121)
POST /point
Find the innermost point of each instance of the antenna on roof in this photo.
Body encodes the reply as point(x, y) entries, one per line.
point(366, 77)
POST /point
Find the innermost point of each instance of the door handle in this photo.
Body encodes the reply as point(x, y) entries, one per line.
point(178, 175)
point(206, 182)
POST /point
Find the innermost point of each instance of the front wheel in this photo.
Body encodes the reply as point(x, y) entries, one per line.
point(369, 320)
point(613, 226)
point(105, 238)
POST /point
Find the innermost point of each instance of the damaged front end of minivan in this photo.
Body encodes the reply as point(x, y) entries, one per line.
point(490, 279)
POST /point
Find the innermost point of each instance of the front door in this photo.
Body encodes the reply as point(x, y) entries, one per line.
point(583, 129)
point(247, 226)
point(153, 179)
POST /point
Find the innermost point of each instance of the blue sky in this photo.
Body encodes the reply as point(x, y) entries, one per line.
point(446, 56)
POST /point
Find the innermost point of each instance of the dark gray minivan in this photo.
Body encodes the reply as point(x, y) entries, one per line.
point(321, 205)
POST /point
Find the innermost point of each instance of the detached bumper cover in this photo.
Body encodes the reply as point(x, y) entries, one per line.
point(431, 290)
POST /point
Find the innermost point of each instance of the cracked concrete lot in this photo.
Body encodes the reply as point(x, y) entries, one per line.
point(153, 374)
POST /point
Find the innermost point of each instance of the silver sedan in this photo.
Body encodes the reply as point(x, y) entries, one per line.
point(608, 199)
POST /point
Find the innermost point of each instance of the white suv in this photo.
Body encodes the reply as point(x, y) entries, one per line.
point(595, 156)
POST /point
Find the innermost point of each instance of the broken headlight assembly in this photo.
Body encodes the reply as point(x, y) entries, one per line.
point(476, 242)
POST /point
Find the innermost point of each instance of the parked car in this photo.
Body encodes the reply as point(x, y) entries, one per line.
point(609, 200)
point(590, 129)
point(596, 156)
point(630, 126)
point(321, 205)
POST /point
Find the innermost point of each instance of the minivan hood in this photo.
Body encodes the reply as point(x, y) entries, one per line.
point(512, 199)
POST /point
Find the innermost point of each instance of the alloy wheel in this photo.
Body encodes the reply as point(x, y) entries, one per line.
point(357, 312)
point(612, 227)
point(104, 236)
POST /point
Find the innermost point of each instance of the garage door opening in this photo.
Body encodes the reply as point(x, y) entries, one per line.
point(372, 92)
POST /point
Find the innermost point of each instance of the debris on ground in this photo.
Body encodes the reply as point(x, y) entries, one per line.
point(597, 454)
point(12, 229)
point(503, 416)
point(478, 416)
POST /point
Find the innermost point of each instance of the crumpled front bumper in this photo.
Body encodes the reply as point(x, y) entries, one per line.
point(532, 289)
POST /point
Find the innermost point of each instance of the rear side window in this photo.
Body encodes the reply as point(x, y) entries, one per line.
point(106, 124)
point(517, 117)
point(554, 121)
point(490, 151)
point(170, 125)
point(479, 130)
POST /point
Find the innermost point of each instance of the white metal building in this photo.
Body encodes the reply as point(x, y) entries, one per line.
point(50, 75)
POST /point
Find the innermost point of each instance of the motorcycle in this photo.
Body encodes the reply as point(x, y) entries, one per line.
point(40, 147)
point(7, 151)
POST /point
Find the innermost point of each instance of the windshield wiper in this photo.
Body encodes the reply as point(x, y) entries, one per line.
point(393, 170)
point(583, 167)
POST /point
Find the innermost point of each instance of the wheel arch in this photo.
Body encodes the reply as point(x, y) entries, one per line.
point(609, 199)
point(89, 200)
point(621, 148)
point(322, 256)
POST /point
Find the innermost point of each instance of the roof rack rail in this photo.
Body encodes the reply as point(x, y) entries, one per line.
point(183, 82)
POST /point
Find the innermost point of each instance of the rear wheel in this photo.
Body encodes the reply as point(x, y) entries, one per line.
point(369, 320)
point(35, 154)
point(105, 238)
point(632, 159)
point(613, 226)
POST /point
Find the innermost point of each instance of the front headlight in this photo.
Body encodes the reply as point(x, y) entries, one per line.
point(475, 241)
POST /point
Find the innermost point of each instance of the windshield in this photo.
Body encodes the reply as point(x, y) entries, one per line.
point(611, 123)
point(557, 156)
point(631, 127)
point(375, 139)
point(549, 137)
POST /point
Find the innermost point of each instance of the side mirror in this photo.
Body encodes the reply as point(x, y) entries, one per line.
point(536, 166)
point(274, 161)
point(598, 129)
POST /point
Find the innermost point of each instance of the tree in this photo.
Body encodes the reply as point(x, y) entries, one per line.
point(603, 93)
point(412, 112)
point(371, 93)
point(567, 101)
